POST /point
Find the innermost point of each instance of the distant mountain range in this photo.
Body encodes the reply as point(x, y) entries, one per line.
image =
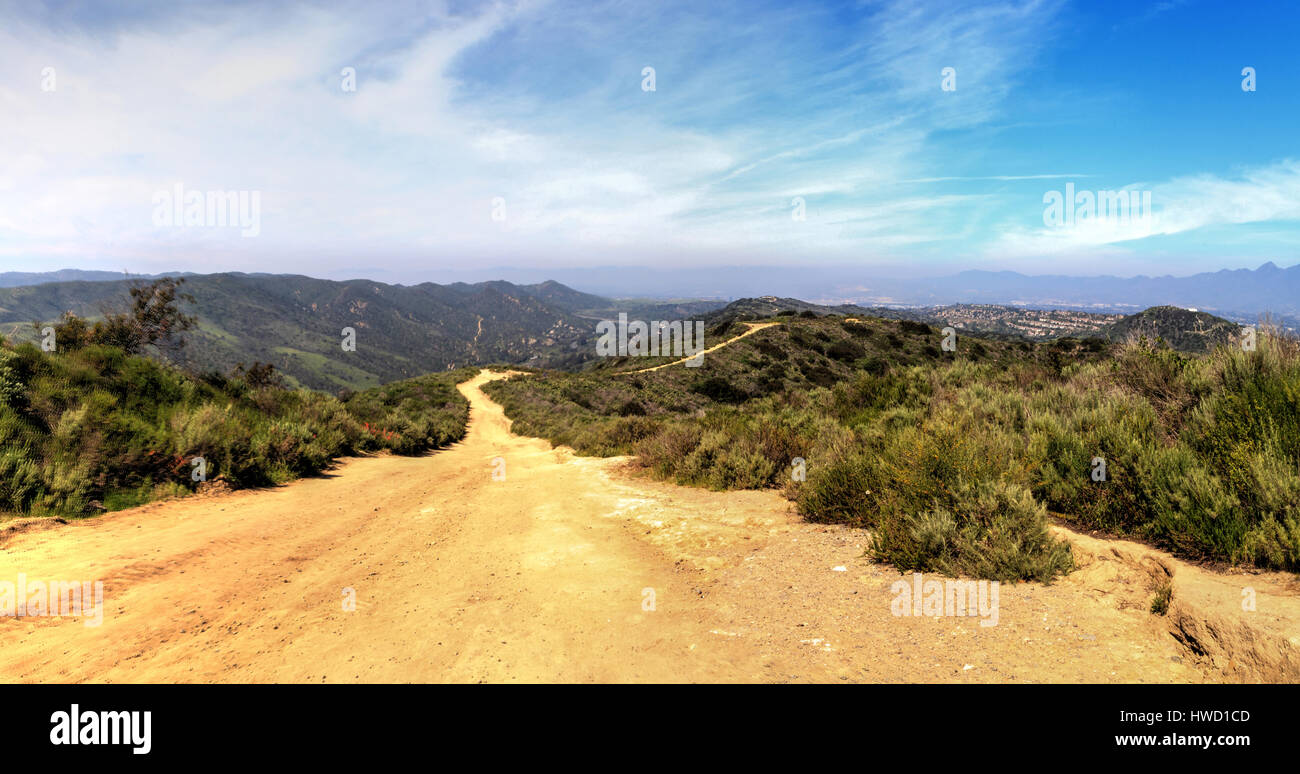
point(1241, 294)
point(13, 279)
point(296, 322)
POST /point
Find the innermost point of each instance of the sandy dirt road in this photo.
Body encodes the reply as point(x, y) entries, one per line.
point(543, 576)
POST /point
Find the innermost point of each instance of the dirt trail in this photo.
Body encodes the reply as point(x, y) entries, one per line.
point(753, 328)
point(543, 576)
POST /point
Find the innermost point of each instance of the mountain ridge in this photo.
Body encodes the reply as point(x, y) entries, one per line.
point(296, 323)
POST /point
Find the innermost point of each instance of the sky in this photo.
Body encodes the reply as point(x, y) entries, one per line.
point(401, 141)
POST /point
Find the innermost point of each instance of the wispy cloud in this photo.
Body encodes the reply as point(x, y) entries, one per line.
point(1001, 178)
point(1182, 204)
point(539, 106)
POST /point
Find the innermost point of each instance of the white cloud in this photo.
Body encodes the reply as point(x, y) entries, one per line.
point(411, 161)
point(1180, 205)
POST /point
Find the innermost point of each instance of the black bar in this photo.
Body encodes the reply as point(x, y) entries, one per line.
point(302, 724)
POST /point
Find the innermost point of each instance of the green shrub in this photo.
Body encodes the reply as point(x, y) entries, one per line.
point(718, 389)
point(846, 351)
point(837, 491)
point(94, 428)
point(994, 530)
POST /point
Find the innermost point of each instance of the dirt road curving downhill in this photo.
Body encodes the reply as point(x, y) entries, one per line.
point(546, 575)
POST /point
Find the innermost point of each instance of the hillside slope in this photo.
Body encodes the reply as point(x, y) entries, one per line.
point(1182, 329)
point(295, 323)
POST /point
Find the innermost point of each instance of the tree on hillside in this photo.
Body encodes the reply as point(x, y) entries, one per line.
point(154, 319)
point(258, 375)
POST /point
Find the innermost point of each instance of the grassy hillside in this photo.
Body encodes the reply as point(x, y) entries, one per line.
point(295, 323)
point(95, 429)
point(953, 459)
point(1182, 329)
point(595, 410)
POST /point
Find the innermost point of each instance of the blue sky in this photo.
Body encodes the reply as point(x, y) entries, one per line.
point(536, 112)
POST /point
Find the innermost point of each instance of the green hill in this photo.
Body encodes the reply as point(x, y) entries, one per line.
point(295, 323)
point(1182, 329)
